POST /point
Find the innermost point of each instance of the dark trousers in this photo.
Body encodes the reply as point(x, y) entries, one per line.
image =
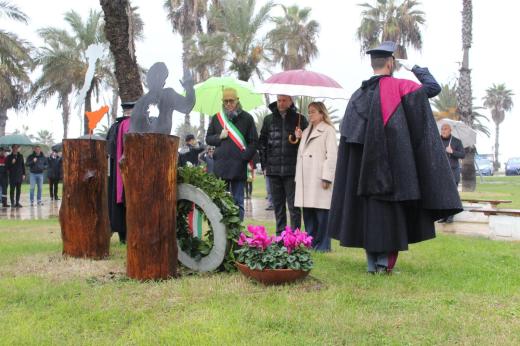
point(53, 187)
point(316, 221)
point(236, 188)
point(249, 189)
point(3, 190)
point(282, 192)
point(12, 188)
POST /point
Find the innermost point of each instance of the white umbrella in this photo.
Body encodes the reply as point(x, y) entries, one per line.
point(460, 130)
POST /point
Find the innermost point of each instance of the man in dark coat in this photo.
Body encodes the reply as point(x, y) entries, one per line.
point(279, 141)
point(454, 152)
point(3, 177)
point(392, 177)
point(233, 134)
point(16, 170)
point(191, 152)
point(54, 173)
point(116, 202)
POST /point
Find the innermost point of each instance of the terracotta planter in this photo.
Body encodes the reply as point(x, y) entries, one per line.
point(272, 276)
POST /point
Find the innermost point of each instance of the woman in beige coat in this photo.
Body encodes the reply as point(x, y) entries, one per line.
point(315, 170)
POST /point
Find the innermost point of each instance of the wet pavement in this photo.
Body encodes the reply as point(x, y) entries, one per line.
point(255, 209)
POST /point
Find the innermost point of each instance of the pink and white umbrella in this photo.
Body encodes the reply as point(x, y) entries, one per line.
point(302, 83)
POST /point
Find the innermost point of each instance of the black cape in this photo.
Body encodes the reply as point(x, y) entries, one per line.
point(393, 179)
point(116, 211)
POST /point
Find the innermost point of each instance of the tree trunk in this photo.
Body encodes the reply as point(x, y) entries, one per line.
point(464, 96)
point(84, 223)
point(469, 181)
point(65, 114)
point(3, 121)
point(88, 108)
point(185, 67)
point(115, 107)
point(496, 162)
point(118, 32)
point(151, 202)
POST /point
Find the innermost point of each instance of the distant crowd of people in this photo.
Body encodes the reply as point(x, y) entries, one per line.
point(13, 173)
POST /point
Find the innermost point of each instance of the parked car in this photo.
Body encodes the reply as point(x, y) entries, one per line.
point(483, 166)
point(513, 166)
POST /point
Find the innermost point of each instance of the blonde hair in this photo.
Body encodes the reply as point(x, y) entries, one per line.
point(320, 107)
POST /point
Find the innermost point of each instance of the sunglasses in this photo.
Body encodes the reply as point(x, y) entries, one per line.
point(229, 101)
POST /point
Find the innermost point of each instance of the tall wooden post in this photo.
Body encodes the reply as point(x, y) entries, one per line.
point(149, 170)
point(84, 222)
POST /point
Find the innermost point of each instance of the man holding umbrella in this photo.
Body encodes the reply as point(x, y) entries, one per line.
point(279, 141)
point(455, 152)
point(232, 132)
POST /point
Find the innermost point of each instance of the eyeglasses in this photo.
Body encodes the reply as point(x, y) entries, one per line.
point(229, 101)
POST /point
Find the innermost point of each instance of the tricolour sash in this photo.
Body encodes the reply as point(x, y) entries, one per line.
point(235, 135)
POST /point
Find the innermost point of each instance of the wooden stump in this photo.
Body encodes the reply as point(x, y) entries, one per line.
point(149, 169)
point(85, 229)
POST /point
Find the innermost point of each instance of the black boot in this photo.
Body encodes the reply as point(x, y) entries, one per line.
point(4, 202)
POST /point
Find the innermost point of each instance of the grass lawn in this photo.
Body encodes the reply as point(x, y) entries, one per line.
point(497, 188)
point(451, 290)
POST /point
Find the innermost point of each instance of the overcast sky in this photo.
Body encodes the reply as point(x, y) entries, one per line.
point(492, 56)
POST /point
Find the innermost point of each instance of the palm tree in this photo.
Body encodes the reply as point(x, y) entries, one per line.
point(123, 26)
point(15, 65)
point(186, 18)
point(499, 100)
point(240, 25)
point(205, 56)
point(293, 40)
point(60, 71)
point(44, 137)
point(446, 105)
point(388, 21)
point(464, 96)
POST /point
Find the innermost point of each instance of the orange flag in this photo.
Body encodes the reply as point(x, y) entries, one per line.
point(95, 116)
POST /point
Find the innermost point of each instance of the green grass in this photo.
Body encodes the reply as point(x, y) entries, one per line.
point(497, 188)
point(451, 290)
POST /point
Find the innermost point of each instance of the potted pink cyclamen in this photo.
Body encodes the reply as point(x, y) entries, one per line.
point(274, 259)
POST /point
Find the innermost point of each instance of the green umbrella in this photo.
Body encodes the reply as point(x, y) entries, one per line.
point(209, 94)
point(15, 139)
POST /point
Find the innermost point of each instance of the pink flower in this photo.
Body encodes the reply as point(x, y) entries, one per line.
point(242, 239)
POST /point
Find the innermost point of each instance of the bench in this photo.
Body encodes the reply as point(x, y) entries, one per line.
point(493, 203)
point(503, 223)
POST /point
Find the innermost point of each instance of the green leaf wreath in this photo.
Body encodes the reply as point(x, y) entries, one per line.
point(216, 190)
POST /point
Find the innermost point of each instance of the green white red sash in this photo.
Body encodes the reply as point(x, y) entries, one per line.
point(195, 222)
point(233, 133)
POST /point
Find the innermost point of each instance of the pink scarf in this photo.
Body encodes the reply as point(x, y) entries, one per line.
point(123, 129)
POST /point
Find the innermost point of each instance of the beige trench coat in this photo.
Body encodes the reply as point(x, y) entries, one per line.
point(317, 155)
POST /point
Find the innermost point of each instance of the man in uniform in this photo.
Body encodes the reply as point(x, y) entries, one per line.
point(392, 177)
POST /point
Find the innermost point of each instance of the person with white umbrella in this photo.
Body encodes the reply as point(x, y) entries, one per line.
point(454, 152)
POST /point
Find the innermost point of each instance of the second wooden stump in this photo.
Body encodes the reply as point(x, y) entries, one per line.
point(149, 170)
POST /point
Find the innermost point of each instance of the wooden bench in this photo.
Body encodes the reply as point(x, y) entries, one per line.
point(490, 211)
point(494, 203)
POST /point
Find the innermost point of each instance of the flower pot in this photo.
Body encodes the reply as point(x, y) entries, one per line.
point(272, 276)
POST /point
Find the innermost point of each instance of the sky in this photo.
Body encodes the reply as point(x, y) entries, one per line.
point(494, 22)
